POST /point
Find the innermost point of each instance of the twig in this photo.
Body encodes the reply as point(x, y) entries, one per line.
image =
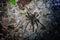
point(4, 26)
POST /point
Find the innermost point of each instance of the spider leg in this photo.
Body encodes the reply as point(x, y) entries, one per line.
point(36, 25)
point(26, 25)
point(32, 25)
point(43, 27)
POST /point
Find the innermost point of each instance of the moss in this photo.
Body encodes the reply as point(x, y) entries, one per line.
point(13, 2)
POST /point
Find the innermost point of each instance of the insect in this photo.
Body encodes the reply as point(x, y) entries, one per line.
point(32, 18)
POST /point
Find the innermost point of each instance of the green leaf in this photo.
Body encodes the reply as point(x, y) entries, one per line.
point(13, 2)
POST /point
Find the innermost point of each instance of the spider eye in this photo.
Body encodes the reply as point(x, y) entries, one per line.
point(35, 13)
point(26, 15)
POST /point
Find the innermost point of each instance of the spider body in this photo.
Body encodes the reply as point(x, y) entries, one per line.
point(32, 18)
